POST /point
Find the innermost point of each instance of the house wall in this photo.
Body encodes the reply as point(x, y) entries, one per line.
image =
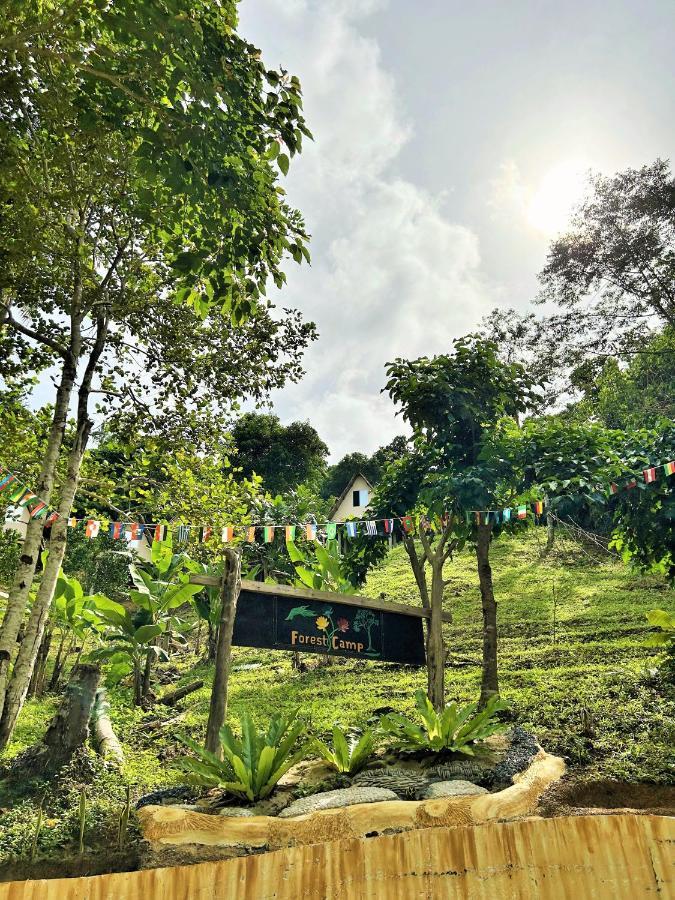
point(347, 509)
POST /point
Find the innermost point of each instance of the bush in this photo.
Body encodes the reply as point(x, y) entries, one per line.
point(457, 729)
point(252, 766)
point(346, 757)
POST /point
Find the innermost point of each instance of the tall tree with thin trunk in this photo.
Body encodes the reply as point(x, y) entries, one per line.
point(141, 220)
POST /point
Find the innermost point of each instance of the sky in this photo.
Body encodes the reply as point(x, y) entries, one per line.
point(451, 140)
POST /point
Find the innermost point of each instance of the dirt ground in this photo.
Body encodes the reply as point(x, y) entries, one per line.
point(575, 796)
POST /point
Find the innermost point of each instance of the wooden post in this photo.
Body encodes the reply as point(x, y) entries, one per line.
point(228, 608)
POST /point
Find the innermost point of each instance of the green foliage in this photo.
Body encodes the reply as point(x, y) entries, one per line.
point(73, 611)
point(319, 567)
point(251, 766)
point(284, 456)
point(458, 729)
point(664, 637)
point(101, 565)
point(346, 756)
point(10, 550)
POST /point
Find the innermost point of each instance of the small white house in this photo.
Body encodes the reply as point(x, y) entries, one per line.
point(353, 501)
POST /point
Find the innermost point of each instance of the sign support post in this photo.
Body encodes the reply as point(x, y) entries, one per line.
point(231, 586)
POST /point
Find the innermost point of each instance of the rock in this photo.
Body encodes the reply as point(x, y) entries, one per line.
point(464, 769)
point(523, 749)
point(452, 789)
point(238, 811)
point(334, 799)
point(407, 783)
point(166, 796)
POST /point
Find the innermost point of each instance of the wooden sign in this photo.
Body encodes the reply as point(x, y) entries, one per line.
point(282, 618)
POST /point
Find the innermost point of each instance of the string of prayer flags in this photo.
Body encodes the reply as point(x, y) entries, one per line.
point(205, 533)
point(116, 530)
point(134, 531)
point(538, 507)
point(6, 481)
point(227, 534)
point(371, 528)
point(51, 518)
point(650, 474)
point(407, 524)
point(331, 531)
point(388, 526)
point(250, 534)
point(669, 468)
point(351, 529)
point(290, 533)
point(268, 534)
point(26, 497)
point(310, 532)
point(521, 512)
point(161, 532)
point(92, 528)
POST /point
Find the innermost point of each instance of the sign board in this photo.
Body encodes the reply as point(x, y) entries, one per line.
point(327, 623)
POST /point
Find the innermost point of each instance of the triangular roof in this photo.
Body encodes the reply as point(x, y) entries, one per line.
point(347, 489)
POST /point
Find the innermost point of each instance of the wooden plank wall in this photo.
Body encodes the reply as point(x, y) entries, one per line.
point(622, 857)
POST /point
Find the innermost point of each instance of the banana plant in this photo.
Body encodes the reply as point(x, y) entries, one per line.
point(319, 568)
point(75, 616)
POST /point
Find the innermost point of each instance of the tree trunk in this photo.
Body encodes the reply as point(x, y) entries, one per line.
point(490, 682)
point(147, 672)
point(30, 550)
point(435, 644)
point(211, 643)
point(68, 730)
point(37, 682)
point(15, 693)
point(138, 683)
point(228, 608)
point(25, 660)
point(172, 697)
point(105, 739)
point(58, 663)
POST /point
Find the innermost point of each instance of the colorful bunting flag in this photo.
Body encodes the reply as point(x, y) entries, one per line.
point(6, 481)
point(227, 534)
point(631, 484)
point(351, 529)
point(331, 531)
point(388, 526)
point(17, 492)
point(669, 468)
point(115, 530)
point(268, 534)
point(522, 512)
point(51, 518)
point(614, 488)
point(161, 532)
point(407, 523)
point(205, 533)
point(132, 532)
point(72, 522)
point(290, 533)
point(371, 528)
point(650, 474)
point(26, 497)
point(39, 510)
point(92, 528)
point(250, 534)
point(183, 534)
point(506, 515)
point(538, 507)
point(310, 532)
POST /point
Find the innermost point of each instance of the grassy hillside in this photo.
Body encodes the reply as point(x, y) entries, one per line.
point(573, 662)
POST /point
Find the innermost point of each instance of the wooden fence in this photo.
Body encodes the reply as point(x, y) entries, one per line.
point(622, 857)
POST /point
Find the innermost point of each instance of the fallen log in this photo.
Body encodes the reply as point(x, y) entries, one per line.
point(105, 740)
point(173, 697)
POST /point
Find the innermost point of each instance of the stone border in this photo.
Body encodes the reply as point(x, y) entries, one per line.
point(166, 825)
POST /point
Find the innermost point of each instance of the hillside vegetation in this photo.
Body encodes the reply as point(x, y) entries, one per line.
point(573, 663)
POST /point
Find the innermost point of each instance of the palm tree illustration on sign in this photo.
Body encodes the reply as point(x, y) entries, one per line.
point(366, 620)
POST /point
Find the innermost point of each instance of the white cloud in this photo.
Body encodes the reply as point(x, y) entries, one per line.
point(390, 276)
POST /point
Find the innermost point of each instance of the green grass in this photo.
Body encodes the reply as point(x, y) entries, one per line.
point(585, 685)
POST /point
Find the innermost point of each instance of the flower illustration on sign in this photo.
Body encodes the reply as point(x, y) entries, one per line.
point(343, 625)
point(322, 623)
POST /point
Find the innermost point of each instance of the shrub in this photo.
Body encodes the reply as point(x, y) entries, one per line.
point(343, 756)
point(251, 766)
point(457, 729)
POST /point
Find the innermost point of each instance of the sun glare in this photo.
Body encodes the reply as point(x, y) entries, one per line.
point(561, 188)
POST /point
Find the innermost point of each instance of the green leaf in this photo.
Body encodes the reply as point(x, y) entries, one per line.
point(283, 162)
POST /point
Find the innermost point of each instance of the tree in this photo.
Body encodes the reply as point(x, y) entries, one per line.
point(284, 455)
point(365, 620)
point(453, 404)
point(610, 278)
point(140, 221)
